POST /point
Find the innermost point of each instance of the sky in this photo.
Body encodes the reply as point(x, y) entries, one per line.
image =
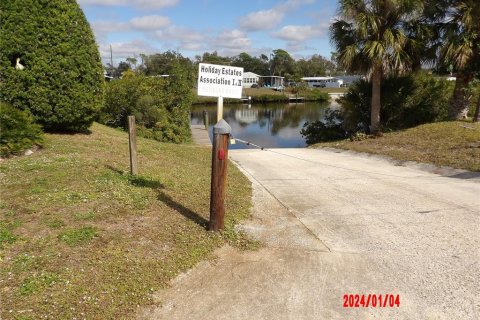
point(193, 27)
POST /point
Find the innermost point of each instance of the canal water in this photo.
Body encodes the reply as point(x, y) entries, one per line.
point(268, 125)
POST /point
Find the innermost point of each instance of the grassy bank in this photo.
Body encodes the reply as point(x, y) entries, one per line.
point(455, 144)
point(265, 95)
point(81, 238)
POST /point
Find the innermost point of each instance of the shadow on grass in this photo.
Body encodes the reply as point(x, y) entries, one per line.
point(157, 186)
point(120, 172)
point(85, 132)
point(145, 182)
point(184, 211)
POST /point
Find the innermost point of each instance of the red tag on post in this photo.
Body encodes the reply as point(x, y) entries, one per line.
point(221, 154)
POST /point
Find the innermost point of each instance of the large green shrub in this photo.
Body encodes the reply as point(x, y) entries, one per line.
point(62, 80)
point(161, 105)
point(17, 132)
point(407, 101)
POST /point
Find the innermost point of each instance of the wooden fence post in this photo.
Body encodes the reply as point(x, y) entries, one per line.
point(221, 135)
point(132, 144)
point(206, 120)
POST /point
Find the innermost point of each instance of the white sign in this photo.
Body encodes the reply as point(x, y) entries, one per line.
point(219, 81)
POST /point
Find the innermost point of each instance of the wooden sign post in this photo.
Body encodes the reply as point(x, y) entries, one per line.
point(206, 120)
point(221, 82)
point(132, 144)
point(219, 108)
point(221, 136)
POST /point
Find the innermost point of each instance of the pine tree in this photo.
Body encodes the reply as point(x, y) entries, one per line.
point(49, 63)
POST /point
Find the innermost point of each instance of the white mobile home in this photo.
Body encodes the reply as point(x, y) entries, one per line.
point(273, 82)
point(323, 82)
point(250, 79)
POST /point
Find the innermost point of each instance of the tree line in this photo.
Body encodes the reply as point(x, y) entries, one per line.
point(278, 63)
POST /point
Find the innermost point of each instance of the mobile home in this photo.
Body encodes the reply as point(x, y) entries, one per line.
point(250, 79)
point(323, 82)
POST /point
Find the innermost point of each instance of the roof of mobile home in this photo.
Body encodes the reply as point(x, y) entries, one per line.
point(319, 78)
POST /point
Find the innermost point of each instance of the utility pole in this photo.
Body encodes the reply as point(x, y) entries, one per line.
point(111, 61)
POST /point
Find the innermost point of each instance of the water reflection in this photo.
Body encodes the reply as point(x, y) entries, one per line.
point(269, 125)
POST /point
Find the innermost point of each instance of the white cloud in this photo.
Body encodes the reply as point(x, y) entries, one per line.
point(123, 50)
point(146, 23)
point(152, 22)
point(232, 39)
point(261, 20)
point(106, 26)
point(226, 42)
point(179, 33)
point(293, 33)
point(268, 19)
point(182, 38)
point(142, 4)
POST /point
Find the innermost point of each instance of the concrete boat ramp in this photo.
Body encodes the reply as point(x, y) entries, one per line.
point(336, 224)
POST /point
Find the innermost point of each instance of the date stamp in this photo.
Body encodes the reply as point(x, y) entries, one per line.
point(371, 300)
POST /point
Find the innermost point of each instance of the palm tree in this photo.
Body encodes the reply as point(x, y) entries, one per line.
point(461, 39)
point(371, 37)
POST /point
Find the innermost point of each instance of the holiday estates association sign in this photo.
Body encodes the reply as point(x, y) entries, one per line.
point(219, 81)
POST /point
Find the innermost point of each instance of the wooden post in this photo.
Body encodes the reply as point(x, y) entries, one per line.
point(221, 135)
point(206, 120)
point(219, 108)
point(132, 144)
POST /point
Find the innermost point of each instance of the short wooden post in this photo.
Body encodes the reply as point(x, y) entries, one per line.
point(221, 135)
point(132, 144)
point(206, 120)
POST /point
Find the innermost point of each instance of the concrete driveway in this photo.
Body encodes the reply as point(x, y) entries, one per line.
point(335, 224)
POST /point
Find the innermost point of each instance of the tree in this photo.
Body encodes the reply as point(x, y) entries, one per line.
point(166, 63)
point(315, 66)
point(62, 81)
point(461, 48)
point(370, 37)
point(282, 63)
point(476, 116)
point(122, 67)
point(214, 58)
point(251, 64)
point(132, 62)
point(161, 105)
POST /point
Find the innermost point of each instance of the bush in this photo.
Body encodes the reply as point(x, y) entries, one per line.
point(327, 130)
point(315, 95)
point(407, 101)
point(17, 132)
point(161, 105)
point(62, 81)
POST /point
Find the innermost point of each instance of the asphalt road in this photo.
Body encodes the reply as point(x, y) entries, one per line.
point(335, 224)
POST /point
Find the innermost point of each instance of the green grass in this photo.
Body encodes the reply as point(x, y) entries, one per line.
point(80, 236)
point(6, 235)
point(455, 144)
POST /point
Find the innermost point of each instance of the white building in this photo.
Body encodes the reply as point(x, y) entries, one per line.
point(323, 82)
point(249, 79)
point(273, 82)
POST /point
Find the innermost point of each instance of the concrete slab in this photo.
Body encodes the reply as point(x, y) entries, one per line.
point(200, 135)
point(339, 223)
